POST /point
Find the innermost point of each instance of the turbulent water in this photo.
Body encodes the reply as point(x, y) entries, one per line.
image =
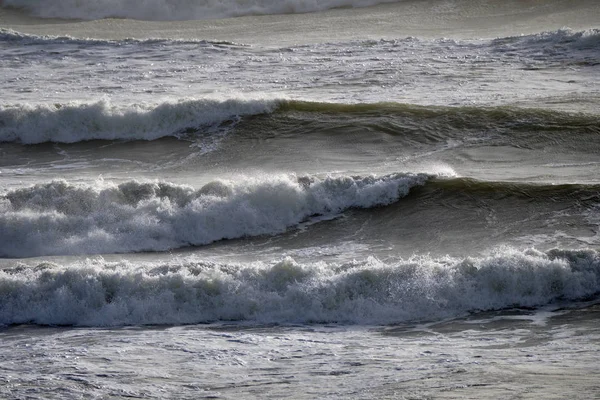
point(336, 199)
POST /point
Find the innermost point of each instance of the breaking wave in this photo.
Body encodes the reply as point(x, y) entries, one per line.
point(101, 293)
point(66, 218)
point(76, 122)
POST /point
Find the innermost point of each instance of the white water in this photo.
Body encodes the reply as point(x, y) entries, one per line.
point(185, 291)
point(64, 218)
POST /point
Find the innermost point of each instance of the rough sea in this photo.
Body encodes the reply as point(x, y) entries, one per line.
point(334, 199)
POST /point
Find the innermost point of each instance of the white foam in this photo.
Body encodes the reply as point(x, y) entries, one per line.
point(99, 293)
point(76, 121)
point(160, 10)
point(65, 218)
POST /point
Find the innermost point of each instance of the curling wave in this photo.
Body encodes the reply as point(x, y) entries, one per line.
point(75, 122)
point(100, 293)
point(65, 218)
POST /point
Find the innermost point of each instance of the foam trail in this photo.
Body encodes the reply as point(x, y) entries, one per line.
point(178, 9)
point(74, 122)
point(100, 293)
point(64, 218)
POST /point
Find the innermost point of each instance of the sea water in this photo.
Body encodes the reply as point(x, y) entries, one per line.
point(266, 199)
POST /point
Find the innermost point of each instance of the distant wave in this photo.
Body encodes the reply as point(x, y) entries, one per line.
point(165, 10)
point(67, 218)
point(76, 121)
point(546, 42)
point(186, 291)
point(10, 35)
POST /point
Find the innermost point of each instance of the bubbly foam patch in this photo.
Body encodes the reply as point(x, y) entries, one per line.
point(100, 293)
point(65, 218)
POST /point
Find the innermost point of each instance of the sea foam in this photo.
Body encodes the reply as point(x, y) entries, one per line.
point(66, 218)
point(101, 293)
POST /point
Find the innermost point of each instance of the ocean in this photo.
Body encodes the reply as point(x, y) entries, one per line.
point(336, 199)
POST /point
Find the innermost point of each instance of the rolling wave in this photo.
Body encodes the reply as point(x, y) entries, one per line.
point(65, 218)
point(76, 122)
point(187, 291)
point(166, 10)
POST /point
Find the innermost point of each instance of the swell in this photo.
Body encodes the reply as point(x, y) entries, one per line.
point(101, 293)
point(67, 218)
point(76, 122)
point(563, 194)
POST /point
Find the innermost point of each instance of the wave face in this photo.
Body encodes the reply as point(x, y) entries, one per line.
point(75, 122)
point(64, 218)
point(161, 10)
point(99, 293)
